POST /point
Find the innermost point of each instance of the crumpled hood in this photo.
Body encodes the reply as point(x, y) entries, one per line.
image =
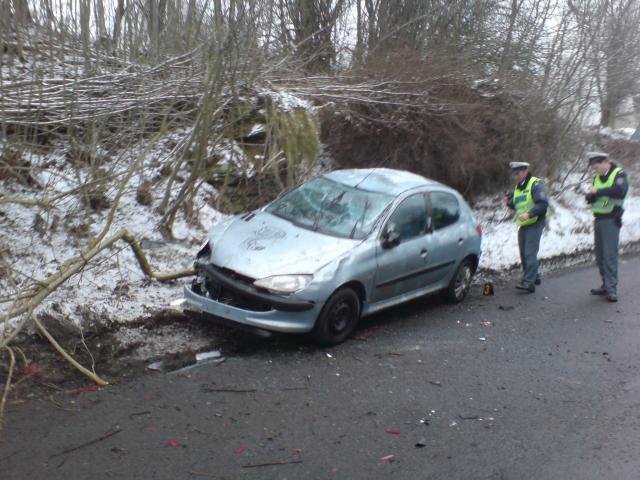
point(263, 245)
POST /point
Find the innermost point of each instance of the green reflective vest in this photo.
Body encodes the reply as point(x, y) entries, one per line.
point(523, 201)
point(604, 204)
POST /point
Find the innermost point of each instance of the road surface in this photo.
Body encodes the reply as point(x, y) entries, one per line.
point(510, 386)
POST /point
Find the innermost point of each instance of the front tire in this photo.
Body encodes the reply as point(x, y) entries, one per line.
point(338, 317)
point(460, 283)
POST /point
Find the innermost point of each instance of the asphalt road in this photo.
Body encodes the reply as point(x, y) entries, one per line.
point(550, 389)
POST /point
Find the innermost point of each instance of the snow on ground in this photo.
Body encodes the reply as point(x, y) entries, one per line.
point(569, 229)
point(36, 243)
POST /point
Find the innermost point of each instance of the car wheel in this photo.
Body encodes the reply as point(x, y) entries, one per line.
point(460, 283)
point(338, 317)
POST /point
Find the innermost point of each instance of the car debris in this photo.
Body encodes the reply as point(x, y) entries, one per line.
point(200, 357)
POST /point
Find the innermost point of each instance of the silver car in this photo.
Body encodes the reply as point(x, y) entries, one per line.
point(341, 246)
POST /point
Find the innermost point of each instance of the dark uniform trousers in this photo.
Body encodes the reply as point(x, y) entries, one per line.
point(529, 243)
point(606, 239)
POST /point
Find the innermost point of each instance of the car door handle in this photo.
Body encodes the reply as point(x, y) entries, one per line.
point(460, 240)
point(424, 252)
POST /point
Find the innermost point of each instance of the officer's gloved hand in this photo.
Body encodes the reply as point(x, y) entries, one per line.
point(590, 197)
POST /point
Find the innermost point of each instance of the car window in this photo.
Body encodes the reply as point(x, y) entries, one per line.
point(332, 208)
point(410, 217)
point(445, 209)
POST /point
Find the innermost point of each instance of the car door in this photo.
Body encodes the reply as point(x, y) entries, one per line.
point(403, 267)
point(447, 236)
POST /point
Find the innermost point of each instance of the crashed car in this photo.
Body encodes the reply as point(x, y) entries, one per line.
point(340, 246)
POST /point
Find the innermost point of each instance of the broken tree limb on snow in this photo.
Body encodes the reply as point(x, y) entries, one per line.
point(67, 357)
point(26, 304)
point(75, 265)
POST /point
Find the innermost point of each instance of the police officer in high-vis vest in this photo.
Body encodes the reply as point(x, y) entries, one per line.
point(530, 204)
point(606, 196)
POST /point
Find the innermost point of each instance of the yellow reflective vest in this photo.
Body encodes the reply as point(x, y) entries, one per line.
point(604, 204)
point(523, 201)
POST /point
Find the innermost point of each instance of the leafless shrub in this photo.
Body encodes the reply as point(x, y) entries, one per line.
point(440, 126)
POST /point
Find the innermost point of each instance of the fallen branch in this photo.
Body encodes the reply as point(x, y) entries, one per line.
point(66, 356)
point(7, 385)
point(269, 464)
point(231, 390)
point(99, 439)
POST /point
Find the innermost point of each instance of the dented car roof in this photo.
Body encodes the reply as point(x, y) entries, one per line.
point(384, 180)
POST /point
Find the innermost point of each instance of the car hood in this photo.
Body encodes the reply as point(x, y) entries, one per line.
point(260, 245)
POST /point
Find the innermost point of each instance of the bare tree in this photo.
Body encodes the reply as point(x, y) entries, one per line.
point(312, 23)
point(615, 51)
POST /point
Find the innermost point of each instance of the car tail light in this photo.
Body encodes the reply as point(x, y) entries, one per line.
point(479, 229)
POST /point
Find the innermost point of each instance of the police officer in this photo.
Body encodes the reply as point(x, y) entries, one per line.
point(606, 196)
point(530, 204)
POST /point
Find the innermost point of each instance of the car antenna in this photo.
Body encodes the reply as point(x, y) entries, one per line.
point(367, 176)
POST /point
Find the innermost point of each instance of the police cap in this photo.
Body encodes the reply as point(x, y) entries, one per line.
point(518, 165)
point(596, 157)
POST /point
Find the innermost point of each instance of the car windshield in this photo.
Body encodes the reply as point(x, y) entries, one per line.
point(332, 208)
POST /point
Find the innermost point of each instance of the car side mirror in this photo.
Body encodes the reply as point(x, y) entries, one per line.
point(390, 237)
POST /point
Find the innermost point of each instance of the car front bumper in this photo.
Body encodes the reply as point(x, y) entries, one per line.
point(292, 319)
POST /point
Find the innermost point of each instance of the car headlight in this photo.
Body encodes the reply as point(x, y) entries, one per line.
point(284, 283)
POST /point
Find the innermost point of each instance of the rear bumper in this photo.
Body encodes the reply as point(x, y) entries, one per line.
point(286, 321)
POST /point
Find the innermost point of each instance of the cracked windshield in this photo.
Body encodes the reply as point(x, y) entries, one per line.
point(331, 208)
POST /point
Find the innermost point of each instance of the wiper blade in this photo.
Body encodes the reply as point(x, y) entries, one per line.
point(361, 219)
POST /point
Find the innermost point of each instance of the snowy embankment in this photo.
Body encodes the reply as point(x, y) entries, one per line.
point(36, 243)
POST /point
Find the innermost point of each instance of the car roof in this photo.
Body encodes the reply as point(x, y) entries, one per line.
point(384, 180)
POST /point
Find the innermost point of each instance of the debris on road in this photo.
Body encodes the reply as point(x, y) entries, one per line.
point(388, 458)
point(437, 383)
point(89, 388)
point(156, 366)
point(32, 369)
point(392, 431)
point(422, 442)
point(269, 464)
point(86, 444)
point(506, 308)
point(205, 388)
point(468, 416)
point(486, 323)
point(173, 443)
point(207, 355)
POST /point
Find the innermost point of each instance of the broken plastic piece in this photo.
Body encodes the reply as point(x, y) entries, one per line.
point(207, 355)
point(155, 366)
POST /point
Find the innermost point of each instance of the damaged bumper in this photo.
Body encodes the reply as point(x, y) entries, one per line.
point(237, 301)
